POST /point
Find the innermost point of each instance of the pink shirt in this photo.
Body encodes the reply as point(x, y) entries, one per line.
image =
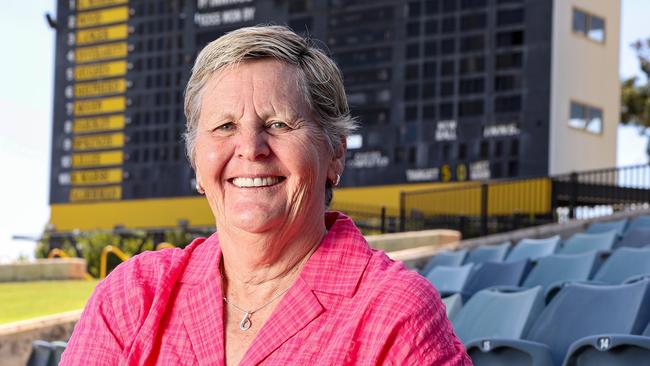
point(350, 305)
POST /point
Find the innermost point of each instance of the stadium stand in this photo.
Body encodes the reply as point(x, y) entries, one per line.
point(578, 311)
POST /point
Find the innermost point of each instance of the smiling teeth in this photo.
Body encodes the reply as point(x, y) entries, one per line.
point(255, 182)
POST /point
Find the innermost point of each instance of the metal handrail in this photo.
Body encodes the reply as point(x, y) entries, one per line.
point(102, 260)
point(56, 252)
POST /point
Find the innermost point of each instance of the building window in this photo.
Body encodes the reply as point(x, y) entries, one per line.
point(471, 86)
point(507, 82)
point(507, 104)
point(509, 60)
point(474, 64)
point(470, 108)
point(589, 25)
point(511, 38)
point(446, 88)
point(448, 25)
point(472, 21)
point(510, 17)
point(588, 118)
point(448, 46)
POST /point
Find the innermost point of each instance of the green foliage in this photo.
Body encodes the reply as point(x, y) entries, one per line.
point(635, 98)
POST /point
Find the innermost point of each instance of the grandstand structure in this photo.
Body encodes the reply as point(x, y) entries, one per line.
point(448, 92)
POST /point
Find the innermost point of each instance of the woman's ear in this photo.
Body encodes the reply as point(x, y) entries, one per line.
point(338, 161)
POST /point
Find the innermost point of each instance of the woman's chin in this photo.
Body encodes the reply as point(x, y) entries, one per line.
point(255, 221)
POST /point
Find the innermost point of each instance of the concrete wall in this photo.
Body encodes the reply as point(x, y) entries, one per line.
point(16, 338)
point(44, 269)
point(584, 71)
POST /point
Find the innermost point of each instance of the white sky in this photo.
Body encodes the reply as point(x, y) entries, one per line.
point(26, 85)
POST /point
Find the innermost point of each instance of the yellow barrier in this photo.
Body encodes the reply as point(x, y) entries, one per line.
point(56, 252)
point(164, 245)
point(102, 260)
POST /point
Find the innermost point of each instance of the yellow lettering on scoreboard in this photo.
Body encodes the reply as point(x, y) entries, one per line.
point(96, 176)
point(103, 70)
point(99, 88)
point(102, 17)
point(98, 106)
point(95, 142)
point(95, 124)
point(105, 158)
point(101, 52)
point(92, 4)
point(103, 34)
point(108, 193)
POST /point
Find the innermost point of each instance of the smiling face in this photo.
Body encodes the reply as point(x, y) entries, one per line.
point(260, 156)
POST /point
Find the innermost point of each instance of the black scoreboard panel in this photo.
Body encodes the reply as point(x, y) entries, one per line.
point(446, 90)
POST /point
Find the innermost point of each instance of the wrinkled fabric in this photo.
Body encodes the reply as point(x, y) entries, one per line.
point(351, 305)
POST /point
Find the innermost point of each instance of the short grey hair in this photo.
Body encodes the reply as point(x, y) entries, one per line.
point(321, 78)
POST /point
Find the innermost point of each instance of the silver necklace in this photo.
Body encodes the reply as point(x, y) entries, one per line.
point(246, 323)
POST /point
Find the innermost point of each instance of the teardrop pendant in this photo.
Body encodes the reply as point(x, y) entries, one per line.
point(245, 323)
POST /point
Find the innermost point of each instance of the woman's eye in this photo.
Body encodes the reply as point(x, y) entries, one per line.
point(226, 127)
point(278, 125)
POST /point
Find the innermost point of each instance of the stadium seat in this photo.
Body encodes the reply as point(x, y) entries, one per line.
point(490, 274)
point(41, 354)
point(635, 238)
point(640, 222)
point(585, 242)
point(446, 258)
point(600, 227)
point(489, 253)
point(57, 350)
point(532, 249)
point(492, 313)
point(578, 311)
point(610, 350)
point(449, 280)
point(453, 304)
point(554, 271)
point(624, 264)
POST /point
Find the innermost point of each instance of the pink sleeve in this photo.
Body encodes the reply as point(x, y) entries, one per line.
point(96, 339)
point(425, 336)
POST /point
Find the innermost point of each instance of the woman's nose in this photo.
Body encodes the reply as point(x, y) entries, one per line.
point(253, 144)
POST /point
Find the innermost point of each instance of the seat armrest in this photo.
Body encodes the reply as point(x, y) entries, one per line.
point(540, 353)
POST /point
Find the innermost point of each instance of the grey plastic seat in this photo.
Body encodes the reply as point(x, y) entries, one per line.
point(623, 264)
point(533, 249)
point(446, 258)
point(586, 242)
point(610, 350)
point(489, 253)
point(635, 238)
point(555, 270)
point(578, 311)
point(639, 222)
point(57, 350)
point(41, 353)
point(492, 313)
point(600, 227)
point(453, 303)
point(491, 274)
point(449, 280)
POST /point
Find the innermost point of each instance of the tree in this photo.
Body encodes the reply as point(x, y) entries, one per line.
point(635, 98)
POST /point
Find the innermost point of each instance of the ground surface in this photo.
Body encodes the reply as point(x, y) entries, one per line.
point(25, 300)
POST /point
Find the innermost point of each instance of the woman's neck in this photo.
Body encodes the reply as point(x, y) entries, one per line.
point(255, 267)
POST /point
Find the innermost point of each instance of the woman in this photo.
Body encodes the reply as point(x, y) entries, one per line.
point(282, 282)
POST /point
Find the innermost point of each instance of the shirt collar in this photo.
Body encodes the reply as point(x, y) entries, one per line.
point(335, 267)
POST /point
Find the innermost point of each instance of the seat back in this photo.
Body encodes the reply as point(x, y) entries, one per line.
point(623, 264)
point(561, 267)
point(635, 238)
point(491, 274)
point(532, 249)
point(599, 227)
point(448, 279)
point(640, 222)
point(453, 303)
point(489, 253)
point(585, 242)
point(581, 310)
point(494, 314)
point(445, 258)
point(40, 355)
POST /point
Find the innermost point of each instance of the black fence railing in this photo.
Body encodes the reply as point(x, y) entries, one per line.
point(482, 208)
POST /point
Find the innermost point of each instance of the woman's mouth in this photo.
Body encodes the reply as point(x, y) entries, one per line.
point(255, 182)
